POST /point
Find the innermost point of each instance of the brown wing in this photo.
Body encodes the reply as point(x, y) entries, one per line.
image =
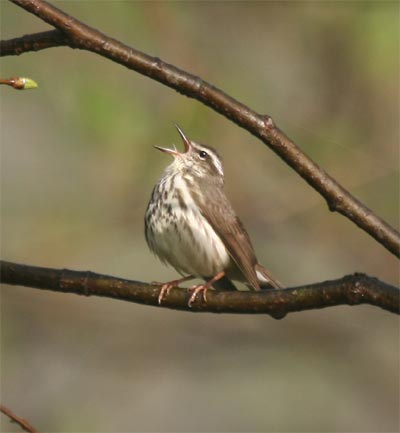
point(222, 218)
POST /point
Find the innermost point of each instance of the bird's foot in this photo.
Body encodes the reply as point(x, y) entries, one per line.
point(204, 288)
point(196, 290)
point(166, 287)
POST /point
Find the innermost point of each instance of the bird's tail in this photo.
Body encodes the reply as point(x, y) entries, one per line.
point(266, 280)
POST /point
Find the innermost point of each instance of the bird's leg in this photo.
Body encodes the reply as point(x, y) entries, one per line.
point(204, 287)
point(166, 287)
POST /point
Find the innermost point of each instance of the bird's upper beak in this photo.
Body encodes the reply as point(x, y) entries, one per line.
point(174, 151)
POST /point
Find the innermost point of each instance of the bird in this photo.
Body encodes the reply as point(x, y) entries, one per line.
point(190, 224)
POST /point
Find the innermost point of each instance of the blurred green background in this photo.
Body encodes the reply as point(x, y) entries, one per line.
point(78, 166)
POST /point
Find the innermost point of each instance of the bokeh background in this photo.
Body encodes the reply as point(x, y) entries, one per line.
point(78, 166)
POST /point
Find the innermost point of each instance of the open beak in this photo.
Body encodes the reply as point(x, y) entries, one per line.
point(174, 151)
point(186, 141)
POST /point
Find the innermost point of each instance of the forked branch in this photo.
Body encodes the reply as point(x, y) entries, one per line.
point(76, 34)
point(349, 290)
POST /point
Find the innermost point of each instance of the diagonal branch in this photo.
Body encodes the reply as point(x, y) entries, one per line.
point(79, 35)
point(349, 290)
point(23, 423)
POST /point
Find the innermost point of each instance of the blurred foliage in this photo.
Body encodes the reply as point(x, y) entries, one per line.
point(78, 166)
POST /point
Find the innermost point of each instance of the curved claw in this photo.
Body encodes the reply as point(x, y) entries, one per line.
point(165, 289)
point(196, 290)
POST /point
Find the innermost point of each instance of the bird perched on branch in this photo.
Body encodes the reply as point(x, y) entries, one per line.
point(191, 225)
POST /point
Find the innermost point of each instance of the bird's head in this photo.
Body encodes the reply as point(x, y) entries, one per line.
point(197, 160)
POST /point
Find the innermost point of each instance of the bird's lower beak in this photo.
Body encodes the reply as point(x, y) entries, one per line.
point(172, 152)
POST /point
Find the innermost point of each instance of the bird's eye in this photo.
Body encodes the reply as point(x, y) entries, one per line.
point(202, 154)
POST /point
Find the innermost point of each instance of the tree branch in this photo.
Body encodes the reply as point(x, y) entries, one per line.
point(79, 35)
point(349, 290)
point(23, 423)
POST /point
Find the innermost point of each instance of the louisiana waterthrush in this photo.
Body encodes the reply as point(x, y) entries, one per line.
point(191, 225)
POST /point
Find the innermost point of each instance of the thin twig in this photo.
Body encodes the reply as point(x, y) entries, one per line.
point(349, 290)
point(32, 42)
point(79, 35)
point(23, 423)
point(19, 83)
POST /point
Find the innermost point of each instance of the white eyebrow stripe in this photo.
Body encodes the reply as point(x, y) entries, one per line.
point(217, 163)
